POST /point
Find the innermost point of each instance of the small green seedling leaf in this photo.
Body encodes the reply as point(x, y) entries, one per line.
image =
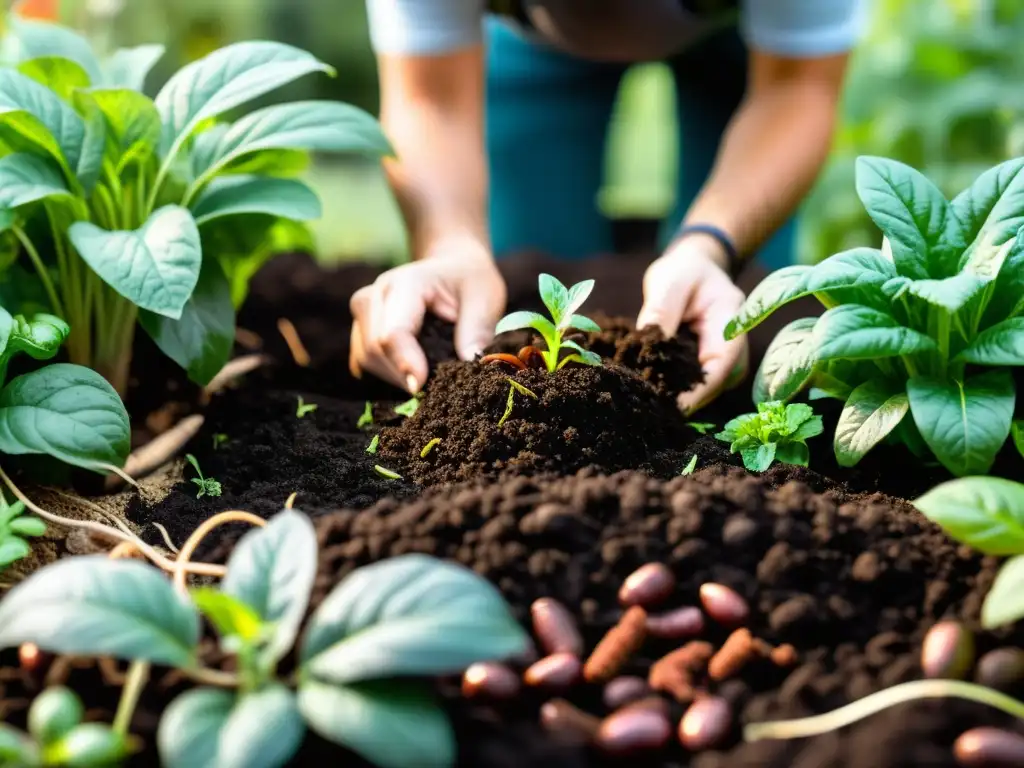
point(409, 407)
point(53, 714)
point(88, 744)
point(230, 617)
point(219, 439)
point(207, 485)
point(263, 730)
point(303, 408)
point(383, 472)
point(366, 420)
point(14, 527)
point(690, 465)
point(514, 386)
point(372, 447)
point(429, 447)
point(702, 427)
point(776, 432)
point(190, 728)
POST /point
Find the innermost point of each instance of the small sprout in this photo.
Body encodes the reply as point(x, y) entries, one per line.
point(690, 466)
point(207, 485)
point(372, 447)
point(514, 386)
point(366, 420)
point(561, 303)
point(219, 439)
point(429, 447)
point(290, 501)
point(776, 432)
point(409, 407)
point(303, 408)
point(702, 427)
point(15, 527)
point(383, 472)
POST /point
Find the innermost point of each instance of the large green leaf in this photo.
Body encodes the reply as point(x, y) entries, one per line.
point(780, 287)
point(32, 39)
point(65, 411)
point(40, 117)
point(950, 294)
point(190, 727)
point(986, 513)
point(234, 195)
point(992, 208)
point(93, 150)
point(272, 570)
point(200, 341)
point(872, 411)
point(392, 724)
point(788, 362)
point(964, 423)
point(263, 730)
point(132, 122)
point(225, 79)
point(60, 75)
point(27, 178)
point(129, 67)
point(1002, 344)
point(410, 615)
point(94, 606)
point(1004, 604)
point(156, 266)
point(854, 332)
point(515, 321)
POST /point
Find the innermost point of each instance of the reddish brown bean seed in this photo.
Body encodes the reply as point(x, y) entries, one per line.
point(784, 655)
point(734, 654)
point(532, 358)
point(705, 723)
point(564, 719)
point(723, 604)
point(1002, 668)
point(648, 585)
point(559, 670)
point(673, 673)
point(989, 748)
point(615, 648)
point(503, 357)
point(490, 680)
point(677, 624)
point(947, 651)
point(555, 627)
point(634, 729)
point(625, 690)
point(655, 702)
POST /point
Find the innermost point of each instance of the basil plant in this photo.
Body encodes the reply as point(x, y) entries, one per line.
point(363, 668)
point(918, 337)
point(132, 209)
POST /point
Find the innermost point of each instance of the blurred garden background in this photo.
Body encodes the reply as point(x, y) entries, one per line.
point(938, 84)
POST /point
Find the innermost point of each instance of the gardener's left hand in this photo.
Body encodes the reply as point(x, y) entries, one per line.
point(690, 284)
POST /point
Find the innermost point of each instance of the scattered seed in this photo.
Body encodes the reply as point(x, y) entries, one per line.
point(615, 648)
point(531, 357)
point(676, 625)
point(947, 651)
point(734, 654)
point(384, 472)
point(295, 345)
point(705, 723)
point(625, 690)
point(989, 748)
point(429, 447)
point(562, 718)
point(723, 604)
point(559, 670)
point(490, 680)
point(648, 585)
point(555, 627)
point(674, 672)
point(784, 655)
point(1001, 669)
point(634, 729)
point(654, 702)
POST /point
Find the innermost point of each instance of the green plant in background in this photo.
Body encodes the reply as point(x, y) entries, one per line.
point(561, 303)
point(777, 432)
point(302, 408)
point(364, 666)
point(207, 485)
point(129, 208)
point(918, 337)
point(409, 407)
point(366, 417)
point(15, 527)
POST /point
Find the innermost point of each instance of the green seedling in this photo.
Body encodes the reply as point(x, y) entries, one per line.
point(429, 447)
point(372, 447)
point(289, 672)
point(409, 407)
point(207, 485)
point(777, 432)
point(561, 303)
point(15, 527)
point(303, 408)
point(366, 419)
point(513, 387)
point(701, 427)
point(386, 473)
point(690, 466)
point(219, 439)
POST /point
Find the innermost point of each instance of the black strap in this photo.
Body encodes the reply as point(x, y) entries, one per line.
point(732, 254)
point(512, 9)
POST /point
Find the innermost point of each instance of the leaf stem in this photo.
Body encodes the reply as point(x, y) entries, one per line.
point(44, 277)
point(138, 676)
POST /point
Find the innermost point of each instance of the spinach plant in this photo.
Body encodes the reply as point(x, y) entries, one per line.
point(561, 303)
point(777, 432)
point(207, 486)
point(364, 666)
point(15, 527)
point(919, 335)
point(131, 209)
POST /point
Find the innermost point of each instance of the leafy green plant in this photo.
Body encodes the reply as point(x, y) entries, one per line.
point(366, 418)
point(777, 432)
point(409, 407)
point(207, 485)
point(513, 387)
point(363, 668)
point(302, 408)
point(153, 210)
point(561, 303)
point(15, 526)
point(918, 336)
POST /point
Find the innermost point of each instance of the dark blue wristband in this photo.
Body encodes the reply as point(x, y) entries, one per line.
point(731, 253)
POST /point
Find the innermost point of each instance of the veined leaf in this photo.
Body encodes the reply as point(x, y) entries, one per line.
point(39, 336)
point(986, 513)
point(951, 293)
point(515, 321)
point(129, 67)
point(54, 713)
point(992, 208)
point(554, 295)
point(263, 730)
point(60, 75)
point(872, 411)
point(788, 363)
point(1002, 344)
point(190, 728)
point(132, 122)
point(854, 332)
point(27, 178)
point(780, 287)
point(38, 115)
point(33, 39)
point(233, 195)
point(1004, 604)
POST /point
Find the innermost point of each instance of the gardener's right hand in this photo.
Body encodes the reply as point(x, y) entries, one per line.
point(460, 284)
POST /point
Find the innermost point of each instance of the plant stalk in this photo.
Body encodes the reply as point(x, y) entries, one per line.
point(44, 276)
point(138, 676)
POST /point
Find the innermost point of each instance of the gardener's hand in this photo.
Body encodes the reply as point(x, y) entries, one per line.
point(690, 284)
point(461, 285)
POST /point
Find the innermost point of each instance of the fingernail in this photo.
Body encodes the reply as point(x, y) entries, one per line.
point(410, 384)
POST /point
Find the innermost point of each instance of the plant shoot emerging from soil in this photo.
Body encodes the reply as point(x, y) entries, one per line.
point(700, 427)
point(219, 439)
point(372, 447)
point(386, 473)
point(777, 432)
point(429, 447)
point(409, 407)
point(303, 408)
point(513, 387)
point(561, 303)
point(691, 465)
point(207, 485)
point(15, 527)
point(366, 419)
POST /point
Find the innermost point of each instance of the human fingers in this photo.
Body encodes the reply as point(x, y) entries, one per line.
point(398, 313)
point(365, 353)
point(724, 361)
point(481, 303)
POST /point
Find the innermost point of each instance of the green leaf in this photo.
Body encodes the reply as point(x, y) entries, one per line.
point(950, 294)
point(986, 513)
point(54, 713)
point(200, 341)
point(190, 728)
point(585, 356)
point(232, 195)
point(518, 320)
point(28, 526)
point(554, 296)
point(853, 332)
point(872, 411)
point(410, 615)
point(1004, 603)
point(796, 454)
point(32, 39)
point(39, 337)
point(992, 208)
point(60, 75)
point(575, 298)
point(1017, 433)
point(788, 363)
point(88, 745)
point(16, 749)
point(757, 458)
point(1002, 344)
point(94, 606)
point(12, 550)
point(264, 730)
point(272, 569)
point(93, 149)
point(129, 67)
point(392, 724)
point(230, 616)
point(27, 178)
point(912, 213)
point(780, 287)
point(581, 323)
point(964, 423)
point(690, 466)
point(65, 411)
point(37, 115)
point(225, 79)
point(156, 266)
point(132, 122)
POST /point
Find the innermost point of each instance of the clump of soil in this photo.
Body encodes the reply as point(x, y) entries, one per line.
point(605, 417)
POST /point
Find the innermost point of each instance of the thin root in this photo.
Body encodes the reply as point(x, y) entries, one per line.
point(166, 537)
point(295, 345)
point(180, 568)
